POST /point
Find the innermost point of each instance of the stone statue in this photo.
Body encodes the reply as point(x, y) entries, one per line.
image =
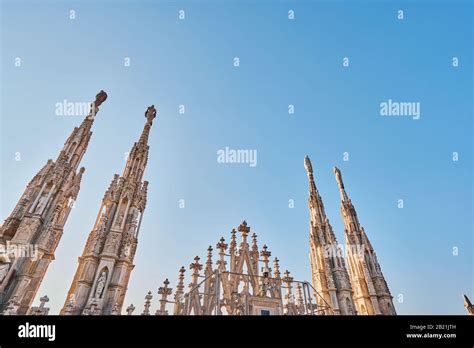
point(100, 98)
point(119, 219)
point(99, 288)
point(150, 113)
point(134, 218)
point(41, 203)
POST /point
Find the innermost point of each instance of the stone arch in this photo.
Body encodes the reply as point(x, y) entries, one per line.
point(71, 149)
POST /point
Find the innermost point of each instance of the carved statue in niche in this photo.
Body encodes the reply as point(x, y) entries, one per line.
point(57, 215)
point(100, 285)
point(65, 209)
point(41, 203)
point(119, 219)
point(134, 217)
point(133, 224)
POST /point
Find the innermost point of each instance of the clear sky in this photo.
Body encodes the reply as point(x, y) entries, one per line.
point(282, 62)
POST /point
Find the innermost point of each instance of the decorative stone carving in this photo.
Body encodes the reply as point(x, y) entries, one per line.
point(112, 243)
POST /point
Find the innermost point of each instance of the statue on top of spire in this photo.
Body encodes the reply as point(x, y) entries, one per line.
point(100, 98)
point(150, 113)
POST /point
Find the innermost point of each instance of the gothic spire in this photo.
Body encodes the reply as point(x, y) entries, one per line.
point(41, 213)
point(150, 115)
point(372, 295)
point(113, 240)
point(330, 278)
point(318, 215)
point(340, 183)
point(138, 156)
point(468, 305)
point(76, 144)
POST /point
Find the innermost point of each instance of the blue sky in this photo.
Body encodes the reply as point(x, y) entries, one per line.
point(282, 62)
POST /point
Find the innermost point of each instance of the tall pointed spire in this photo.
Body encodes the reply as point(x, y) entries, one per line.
point(138, 156)
point(340, 183)
point(468, 305)
point(371, 293)
point(315, 202)
point(106, 263)
point(330, 278)
point(39, 217)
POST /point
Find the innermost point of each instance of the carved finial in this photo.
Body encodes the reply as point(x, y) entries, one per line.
point(164, 291)
point(338, 174)
point(254, 244)
point(265, 254)
point(43, 301)
point(148, 298)
point(180, 286)
point(244, 229)
point(181, 272)
point(340, 183)
point(287, 277)
point(209, 260)
point(276, 265)
point(233, 242)
point(307, 165)
point(299, 295)
point(195, 266)
point(130, 309)
point(221, 245)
